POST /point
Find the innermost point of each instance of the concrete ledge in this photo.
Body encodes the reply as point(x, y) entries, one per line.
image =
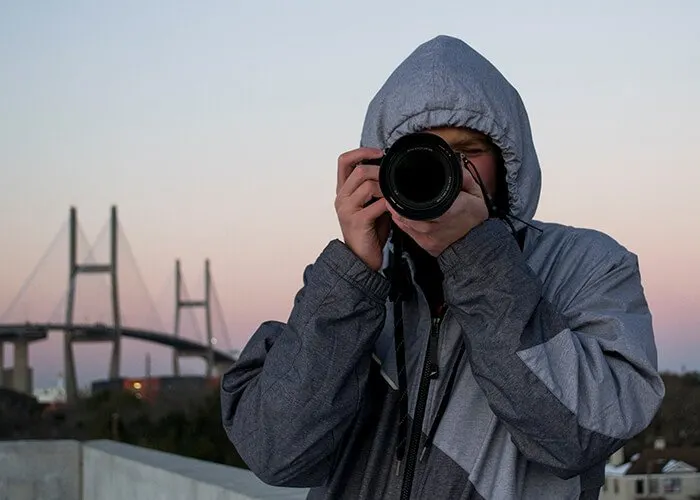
point(107, 470)
point(115, 471)
point(41, 470)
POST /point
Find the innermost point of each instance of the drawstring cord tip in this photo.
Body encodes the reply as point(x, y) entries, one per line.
point(422, 452)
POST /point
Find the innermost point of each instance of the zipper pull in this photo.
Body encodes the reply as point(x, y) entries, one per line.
point(398, 467)
point(433, 359)
point(434, 370)
point(422, 452)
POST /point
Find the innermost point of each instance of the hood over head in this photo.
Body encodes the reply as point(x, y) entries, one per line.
point(446, 83)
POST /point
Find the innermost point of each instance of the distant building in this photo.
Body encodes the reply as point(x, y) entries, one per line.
point(55, 394)
point(657, 473)
point(158, 388)
point(50, 395)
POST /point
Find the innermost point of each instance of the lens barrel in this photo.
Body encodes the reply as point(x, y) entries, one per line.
point(420, 176)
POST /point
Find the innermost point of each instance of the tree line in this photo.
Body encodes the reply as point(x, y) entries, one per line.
point(192, 427)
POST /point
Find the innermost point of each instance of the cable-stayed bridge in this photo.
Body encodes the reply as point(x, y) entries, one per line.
point(90, 278)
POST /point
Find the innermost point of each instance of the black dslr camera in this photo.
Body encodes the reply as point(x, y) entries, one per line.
point(420, 176)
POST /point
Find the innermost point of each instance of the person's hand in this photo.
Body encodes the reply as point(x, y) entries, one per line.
point(365, 229)
point(435, 236)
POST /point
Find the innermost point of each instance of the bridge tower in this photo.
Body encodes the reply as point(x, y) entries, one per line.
point(75, 269)
point(205, 303)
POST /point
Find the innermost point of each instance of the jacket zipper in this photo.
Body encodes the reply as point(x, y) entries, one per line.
point(430, 371)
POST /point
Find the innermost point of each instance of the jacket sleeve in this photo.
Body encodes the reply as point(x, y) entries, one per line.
point(571, 383)
point(291, 395)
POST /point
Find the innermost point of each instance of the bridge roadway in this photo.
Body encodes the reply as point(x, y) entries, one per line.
point(100, 332)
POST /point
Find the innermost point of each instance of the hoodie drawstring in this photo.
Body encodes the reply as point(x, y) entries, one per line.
point(444, 400)
point(399, 283)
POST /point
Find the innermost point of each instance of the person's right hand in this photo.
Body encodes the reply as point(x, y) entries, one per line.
point(365, 228)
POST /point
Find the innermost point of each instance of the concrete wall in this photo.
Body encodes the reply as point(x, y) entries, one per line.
point(115, 471)
point(40, 470)
point(106, 470)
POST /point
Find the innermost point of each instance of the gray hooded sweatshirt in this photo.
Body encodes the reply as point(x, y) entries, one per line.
point(543, 364)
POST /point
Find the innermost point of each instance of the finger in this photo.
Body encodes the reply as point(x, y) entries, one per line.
point(375, 209)
point(402, 225)
point(421, 227)
point(461, 203)
point(364, 193)
point(360, 174)
point(417, 227)
point(349, 159)
point(394, 214)
point(417, 237)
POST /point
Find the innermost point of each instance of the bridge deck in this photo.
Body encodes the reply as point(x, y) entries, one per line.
point(100, 332)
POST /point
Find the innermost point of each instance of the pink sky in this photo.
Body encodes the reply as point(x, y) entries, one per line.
point(216, 132)
point(260, 282)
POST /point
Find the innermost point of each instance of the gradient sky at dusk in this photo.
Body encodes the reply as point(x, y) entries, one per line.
point(215, 127)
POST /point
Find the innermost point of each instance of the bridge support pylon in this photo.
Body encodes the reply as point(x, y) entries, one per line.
point(181, 303)
point(74, 270)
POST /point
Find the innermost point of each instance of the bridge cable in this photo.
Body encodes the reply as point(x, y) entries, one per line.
point(220, 312)
point(141, 281)
point(36, 269)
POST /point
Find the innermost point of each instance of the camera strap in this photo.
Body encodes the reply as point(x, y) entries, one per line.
point(397, 291)
point(520, 237)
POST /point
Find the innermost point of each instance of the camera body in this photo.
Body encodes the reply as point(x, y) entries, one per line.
point(420, 176)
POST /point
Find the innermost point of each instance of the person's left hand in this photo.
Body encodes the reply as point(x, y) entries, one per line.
point(435, 236)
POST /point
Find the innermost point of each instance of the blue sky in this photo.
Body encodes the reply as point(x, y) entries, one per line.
point(215, 127)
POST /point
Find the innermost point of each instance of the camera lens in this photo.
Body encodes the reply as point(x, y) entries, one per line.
point(420, 176)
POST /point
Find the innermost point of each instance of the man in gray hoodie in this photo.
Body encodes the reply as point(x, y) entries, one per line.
point(526, 353)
